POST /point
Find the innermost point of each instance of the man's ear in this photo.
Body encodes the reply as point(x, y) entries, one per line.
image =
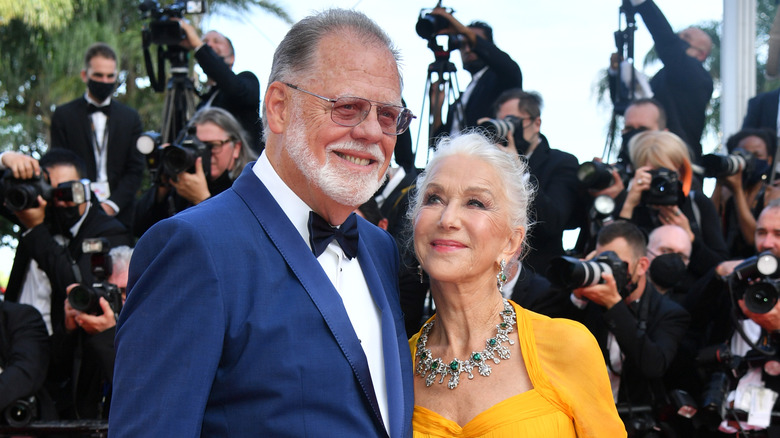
point(84, 76)
point(276, 107)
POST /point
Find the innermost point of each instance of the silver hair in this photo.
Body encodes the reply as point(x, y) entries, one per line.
point(512, 171)
point(296, 55)
point(233, 129)
point(120, 258)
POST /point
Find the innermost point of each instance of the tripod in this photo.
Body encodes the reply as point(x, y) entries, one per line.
point(448, 83)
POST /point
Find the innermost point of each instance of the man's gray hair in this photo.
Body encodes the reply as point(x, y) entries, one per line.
point(296, 54)
point(120, 258)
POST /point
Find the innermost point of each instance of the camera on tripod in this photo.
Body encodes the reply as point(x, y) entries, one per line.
point(163, 30)
point(21, 194)
point(755, 280)
point(570, 273)
point(87, 299)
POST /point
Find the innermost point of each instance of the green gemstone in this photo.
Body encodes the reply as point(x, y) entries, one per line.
point(507, 312)
point(504, 325)
point(423, 355)
point(454, 365)
point(435, 364)
point(503, 278)
point(492, 342)
point(476, 357)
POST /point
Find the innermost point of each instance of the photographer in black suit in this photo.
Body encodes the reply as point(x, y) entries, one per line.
point(50, 256)
point(238, 93)
point(492, 71)
point(103, 133)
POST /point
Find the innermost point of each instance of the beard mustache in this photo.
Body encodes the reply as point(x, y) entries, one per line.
point(335, 181)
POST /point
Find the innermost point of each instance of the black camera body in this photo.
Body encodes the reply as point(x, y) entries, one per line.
point(665, 188)
point(86, 299)
point(755, 280)
point(429, 25)
point(570, 273)
point(163, 30)
point(182, 154)
point(21, 194)
point(499, 130)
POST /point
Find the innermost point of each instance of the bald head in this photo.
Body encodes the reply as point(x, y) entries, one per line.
point(700, 43)
point(668, 239)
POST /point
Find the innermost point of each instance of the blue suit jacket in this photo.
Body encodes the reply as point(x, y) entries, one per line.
point(232, 329)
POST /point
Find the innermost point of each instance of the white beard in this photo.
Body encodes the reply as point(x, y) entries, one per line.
point(346, 188)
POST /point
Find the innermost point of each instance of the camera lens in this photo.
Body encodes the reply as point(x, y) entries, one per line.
point(761, 297)
point(595, 175)
point(177, 159)
point(20, 412)
point(83, 299)
point(571, 273)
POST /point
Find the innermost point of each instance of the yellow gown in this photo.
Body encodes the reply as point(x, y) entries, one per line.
point(571, 396)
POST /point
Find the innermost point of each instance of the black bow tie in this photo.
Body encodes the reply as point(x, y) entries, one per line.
point(321, 234)
point(91, 108)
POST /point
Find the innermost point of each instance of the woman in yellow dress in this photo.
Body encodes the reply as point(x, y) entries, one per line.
point(484, 366)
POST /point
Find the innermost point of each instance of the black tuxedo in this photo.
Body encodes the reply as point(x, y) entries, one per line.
point(238, 94)
point(648, 333)
point(58, 261)
point(554, 173)
point(71, 128)
point(683, 86)
point(502, 74)
point(762, 111)
point(24, 352)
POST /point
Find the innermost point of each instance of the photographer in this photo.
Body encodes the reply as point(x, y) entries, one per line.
point(239, 94)
point(103, 133)
point(660, 194)
point(740, 191)
point(492, 72)
point(24, 354)
point(683, 86)
point(83, 354)
point(49, 256)
point(637, 327)
point(225, 150)
point(554, 172)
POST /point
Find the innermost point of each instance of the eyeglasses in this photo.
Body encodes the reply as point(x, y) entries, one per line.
point(665, 251)
point(351, 111)
point(216, 145)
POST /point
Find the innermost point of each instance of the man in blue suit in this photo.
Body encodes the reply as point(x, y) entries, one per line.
point(241, 321)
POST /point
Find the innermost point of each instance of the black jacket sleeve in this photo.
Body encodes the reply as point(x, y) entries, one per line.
point(24, 341)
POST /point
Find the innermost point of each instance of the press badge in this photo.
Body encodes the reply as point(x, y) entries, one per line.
point(101, 189)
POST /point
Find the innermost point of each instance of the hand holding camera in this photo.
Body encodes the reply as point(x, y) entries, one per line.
point(192, 186)
point(91, 324)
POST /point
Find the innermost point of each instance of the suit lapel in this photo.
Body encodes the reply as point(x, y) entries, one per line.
point(308, 271)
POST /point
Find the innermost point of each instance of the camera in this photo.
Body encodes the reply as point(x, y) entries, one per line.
point(716, 165)
point(175, 158)
point(595, 175)
point(87, 299)
point(429, 25)
point(21, 412)
point(570, 273)
point(21, 194)
point(500, 129)
point(755, 280)
point(163, 30)
point(665, 188)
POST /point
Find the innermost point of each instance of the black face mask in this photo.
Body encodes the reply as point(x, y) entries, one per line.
point(100, 90)
point(474, 66)
point(666, 270)
point(627, 136)
point(63, 218)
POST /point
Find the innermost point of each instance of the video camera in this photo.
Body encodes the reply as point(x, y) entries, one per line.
point(428, 27)
point(21, 194)
point(570, 273)
point(87, 299)
point(162, 30)
point(175, 158)
point(665, 188)
point(755, 280)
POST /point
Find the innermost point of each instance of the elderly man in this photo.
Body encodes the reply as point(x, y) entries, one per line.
point(669, 252)
point(242, 320)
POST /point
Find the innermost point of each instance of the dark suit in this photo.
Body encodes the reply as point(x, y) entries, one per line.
point(554, 173)
point(535, 293)
point(229, 288)
point(58, 261)
point(683, 86)
point(71, 128)
point(762, 111)
point(649, 348)
point(502, 74)
point(238, 94)
point(24, 352)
